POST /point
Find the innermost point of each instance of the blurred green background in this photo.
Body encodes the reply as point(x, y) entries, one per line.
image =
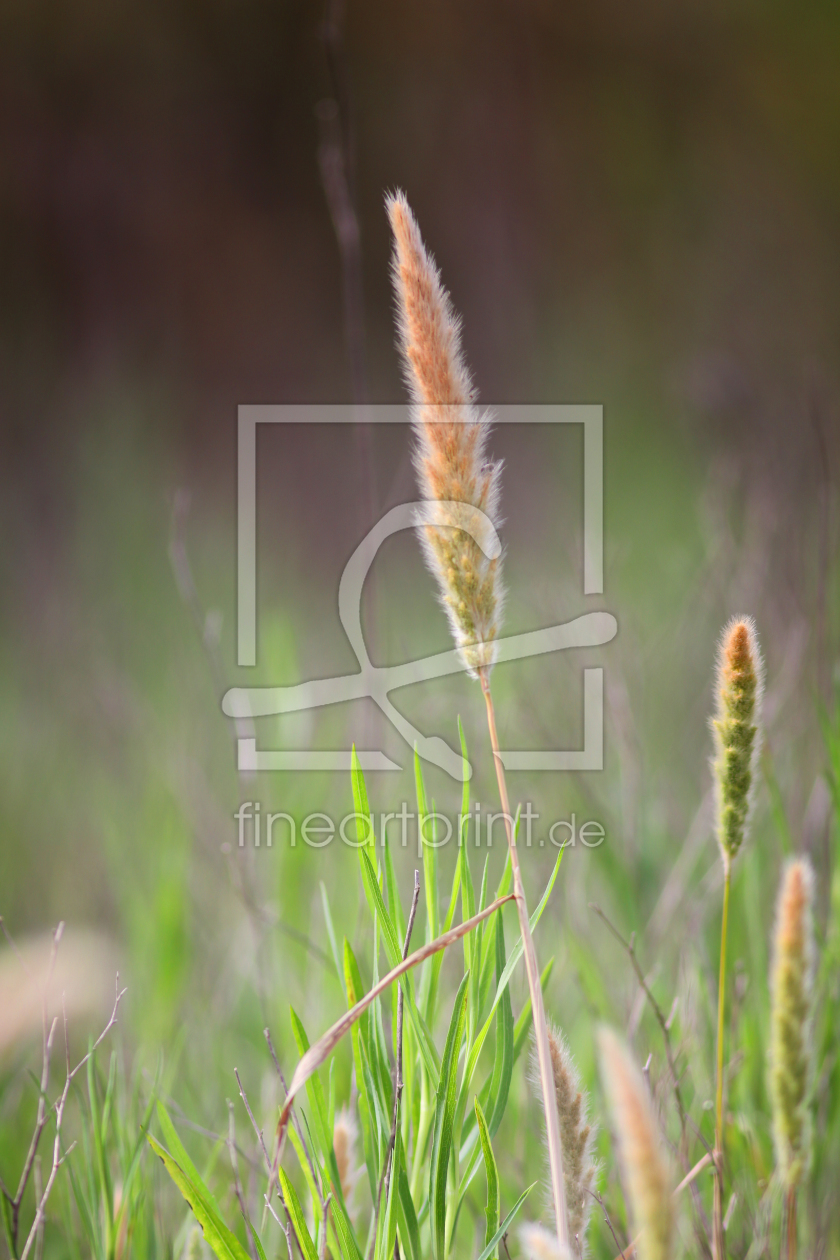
point(638, 207)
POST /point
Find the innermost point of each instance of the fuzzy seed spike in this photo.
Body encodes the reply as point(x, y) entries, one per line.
point(455, 475)
point(645, 1172)
point(740, 676)
point(539, 1244)
point(577, 1135)
point(791, 1043)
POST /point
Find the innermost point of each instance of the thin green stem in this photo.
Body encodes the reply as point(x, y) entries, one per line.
point(718, 1243)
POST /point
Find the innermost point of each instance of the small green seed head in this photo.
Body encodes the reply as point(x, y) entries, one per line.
point(791, 1043)
point(736, 731)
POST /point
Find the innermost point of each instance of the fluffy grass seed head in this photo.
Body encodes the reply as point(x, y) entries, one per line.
point(539, 1243)
point(645, 1171)
point(740, 677)
point(791, 1042)
point(577, 1136)
point(455, 474)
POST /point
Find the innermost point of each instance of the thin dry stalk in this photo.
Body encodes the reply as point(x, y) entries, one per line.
point(58, 1108)
point(237, 1184)
point(541, 1043)
point(663, 1022)
point(740, 683)
point(456, 478)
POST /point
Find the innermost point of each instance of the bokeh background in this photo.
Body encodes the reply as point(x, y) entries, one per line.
point(635, 206)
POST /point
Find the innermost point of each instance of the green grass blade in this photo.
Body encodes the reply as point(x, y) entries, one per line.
point(407, 1220)
point(503, 1063)
point(364, 829)
point(430, 876)
point(325, 901)
point(515, 955)
point(444, 1117)
point(298, 1220)
point(491, 1211)
point(221, 1240)
point(505, 1225)
point(314, 1091)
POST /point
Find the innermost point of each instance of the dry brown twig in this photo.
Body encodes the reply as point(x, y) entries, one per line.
point(237, 1185)
point(58, 1109)
point(288, 1229)
point(44, 1112)
point(664, 1024)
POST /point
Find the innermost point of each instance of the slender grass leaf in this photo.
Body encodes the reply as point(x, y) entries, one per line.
point(325, 901)
point(515, 955)
point(491, 1211)
point(505, 1225)
point(429, 855)
point(296, 1216)
point(314, 1090)
point(503, 1063)
point(408, 1227)
point(221, 1240)
point(444, 1116)
point(365, 836)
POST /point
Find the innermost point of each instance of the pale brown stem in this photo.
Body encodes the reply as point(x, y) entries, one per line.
point(552, 1123)
point(791, 1223)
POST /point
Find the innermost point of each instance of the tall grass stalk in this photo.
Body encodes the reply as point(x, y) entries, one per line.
point(456, 478)
point(735, 730)
point(791, 1042)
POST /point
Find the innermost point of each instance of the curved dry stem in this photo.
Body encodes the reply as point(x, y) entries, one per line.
point(325, 1045)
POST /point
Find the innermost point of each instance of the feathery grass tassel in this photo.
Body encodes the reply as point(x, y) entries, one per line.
point(450, 456)
point(461, 488)
point(736, 734)
point(735, 727)
point(539, 1244)
point(577, 1135)
point(645, 1172)
point(791, 1044)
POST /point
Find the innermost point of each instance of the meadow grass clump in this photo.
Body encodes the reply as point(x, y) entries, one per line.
point(644, 1168)
point(791, 1045)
